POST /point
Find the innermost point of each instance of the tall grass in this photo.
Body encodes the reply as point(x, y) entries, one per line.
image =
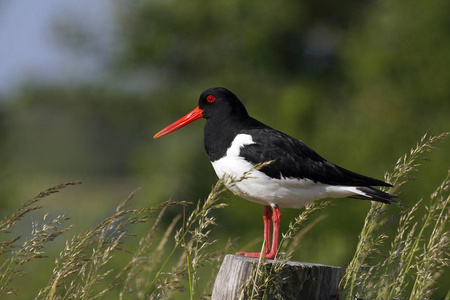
point(14, 255)
point(167, 262)
point(84, 268)
point(415, 257)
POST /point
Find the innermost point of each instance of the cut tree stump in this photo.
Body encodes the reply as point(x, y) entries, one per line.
point(289, 280)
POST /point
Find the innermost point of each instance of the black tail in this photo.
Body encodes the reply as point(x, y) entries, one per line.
point(373, 194)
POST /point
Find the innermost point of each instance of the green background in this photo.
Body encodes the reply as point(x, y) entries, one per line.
point(358, 81)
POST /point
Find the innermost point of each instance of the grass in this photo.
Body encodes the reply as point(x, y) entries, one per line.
point(413, 255)
point(167, 262)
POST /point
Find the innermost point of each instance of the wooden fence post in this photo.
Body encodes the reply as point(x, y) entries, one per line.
point(293, 280)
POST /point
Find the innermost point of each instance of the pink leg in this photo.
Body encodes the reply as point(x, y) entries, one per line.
point(276, 217)
point(267, 216)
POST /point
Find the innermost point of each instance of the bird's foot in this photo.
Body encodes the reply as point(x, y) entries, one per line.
point(268, 255)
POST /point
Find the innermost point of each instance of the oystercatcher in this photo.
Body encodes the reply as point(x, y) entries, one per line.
point(295, 176)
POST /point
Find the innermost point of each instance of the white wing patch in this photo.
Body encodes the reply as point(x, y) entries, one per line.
point(262, 189)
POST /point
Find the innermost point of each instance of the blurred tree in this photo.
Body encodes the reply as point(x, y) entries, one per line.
point(5, 189)
point(402, 63)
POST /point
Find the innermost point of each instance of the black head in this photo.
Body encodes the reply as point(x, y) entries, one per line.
point(217, 104)
point(221, 103)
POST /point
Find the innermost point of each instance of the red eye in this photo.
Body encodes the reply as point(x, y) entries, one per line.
point(210, 98)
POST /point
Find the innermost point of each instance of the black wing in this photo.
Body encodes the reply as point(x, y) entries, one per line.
point(292, 158)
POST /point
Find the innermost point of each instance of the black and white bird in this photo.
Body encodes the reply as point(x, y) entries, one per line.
point(295, 176)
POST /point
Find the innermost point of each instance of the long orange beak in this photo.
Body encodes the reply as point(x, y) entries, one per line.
point(197, 113)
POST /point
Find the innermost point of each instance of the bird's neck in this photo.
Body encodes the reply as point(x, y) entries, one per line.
point(219, 134)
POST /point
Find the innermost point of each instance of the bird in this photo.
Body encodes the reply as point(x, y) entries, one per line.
point(290, 174)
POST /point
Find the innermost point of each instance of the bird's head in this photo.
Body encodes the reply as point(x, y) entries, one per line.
point(214, 103)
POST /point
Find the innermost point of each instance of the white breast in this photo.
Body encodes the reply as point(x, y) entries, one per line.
point(262, 189)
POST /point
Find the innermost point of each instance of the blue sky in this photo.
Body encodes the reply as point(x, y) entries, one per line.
point(28, 51)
